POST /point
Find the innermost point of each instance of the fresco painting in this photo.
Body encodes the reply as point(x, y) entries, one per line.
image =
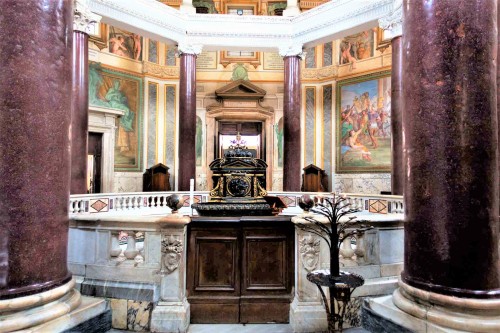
point(125, 44)
point(364, 124)
point(123, 92)
point(357, 47)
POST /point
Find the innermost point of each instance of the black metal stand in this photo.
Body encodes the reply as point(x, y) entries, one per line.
point(341, 288)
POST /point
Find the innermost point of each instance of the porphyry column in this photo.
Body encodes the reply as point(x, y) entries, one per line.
point(83, 21)
point(393, 29)
point(291, 119)
point(35, 103)
point(450, 128)
point(187, 115)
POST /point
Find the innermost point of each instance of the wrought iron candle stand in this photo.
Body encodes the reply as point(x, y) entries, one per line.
point(340, 284)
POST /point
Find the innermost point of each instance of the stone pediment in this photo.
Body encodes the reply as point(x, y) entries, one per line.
point(240, 89)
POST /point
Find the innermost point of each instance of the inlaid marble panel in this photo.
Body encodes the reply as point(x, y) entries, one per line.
point(170, 119)
point(310, 60)
point(327, 54)
point(152, 117)
point(153, 51)
point(310, 128)
point(327, 131)
point(170, 56)
point(138, 315)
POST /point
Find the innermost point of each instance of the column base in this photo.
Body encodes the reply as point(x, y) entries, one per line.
point(55, 310)
point(170, 317)
point(412, 309)
point(308, 316)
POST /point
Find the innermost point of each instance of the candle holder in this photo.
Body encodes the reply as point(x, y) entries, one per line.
point(340, 284)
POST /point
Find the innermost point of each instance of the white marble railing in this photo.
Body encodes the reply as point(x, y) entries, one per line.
point(153, 203)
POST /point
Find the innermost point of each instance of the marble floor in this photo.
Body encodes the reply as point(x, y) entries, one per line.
point(249, 328)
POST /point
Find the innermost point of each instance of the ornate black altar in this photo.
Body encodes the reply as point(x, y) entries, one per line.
point(239, 185)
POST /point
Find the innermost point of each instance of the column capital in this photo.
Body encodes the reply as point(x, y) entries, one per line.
point(84, 19)
point(393, 23)
point(189, 48)
point(291, 50)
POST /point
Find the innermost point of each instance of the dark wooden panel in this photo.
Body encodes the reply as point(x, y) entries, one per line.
point(265, 310)
point(240, 269)
point(265, 263)
point(267, 260)
point(216, 263)
point(214, 313)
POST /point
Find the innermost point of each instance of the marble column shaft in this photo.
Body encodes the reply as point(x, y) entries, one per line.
point(397, 174)
point(291, 122)
point(187, 121)
point(79, 115)
point(35, 105)
point(451, 145)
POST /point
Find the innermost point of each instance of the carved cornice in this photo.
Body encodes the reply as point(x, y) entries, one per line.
point(164, 72)
point(320, 73)
point(84, 19)
point(189, 48)
point(263, 33)
point(393, 23)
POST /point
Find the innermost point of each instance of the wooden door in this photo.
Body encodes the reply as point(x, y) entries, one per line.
point(240, 272)
point(213, 275)
point(267, 274)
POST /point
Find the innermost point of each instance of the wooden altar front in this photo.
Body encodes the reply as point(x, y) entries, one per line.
point(240, 269)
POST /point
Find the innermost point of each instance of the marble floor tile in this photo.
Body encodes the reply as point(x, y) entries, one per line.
point(232, 328)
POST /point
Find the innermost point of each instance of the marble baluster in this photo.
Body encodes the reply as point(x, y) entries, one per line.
point(291, 117)
point(450, 129)
point(187, 117)
point(35, 103)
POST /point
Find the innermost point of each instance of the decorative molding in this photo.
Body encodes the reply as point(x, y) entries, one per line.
point(320, 73)
point(84, 19)
point(163, 72)
point(393, 23)
point(189, 48)
point(172, 249)
point(232, 32)
point(309, 247)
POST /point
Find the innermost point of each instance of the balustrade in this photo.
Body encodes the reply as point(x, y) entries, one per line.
point(152, 203)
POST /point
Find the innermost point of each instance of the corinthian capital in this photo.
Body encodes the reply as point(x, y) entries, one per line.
point(393, 23)
point(84, 19)
point(189, 48)
point(289, 50)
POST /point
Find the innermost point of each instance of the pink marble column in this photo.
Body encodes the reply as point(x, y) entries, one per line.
point(451, 145)
point(79, 113)
point(291, 122)
point(35, 103)
point(397, 172)
point(187, 121)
